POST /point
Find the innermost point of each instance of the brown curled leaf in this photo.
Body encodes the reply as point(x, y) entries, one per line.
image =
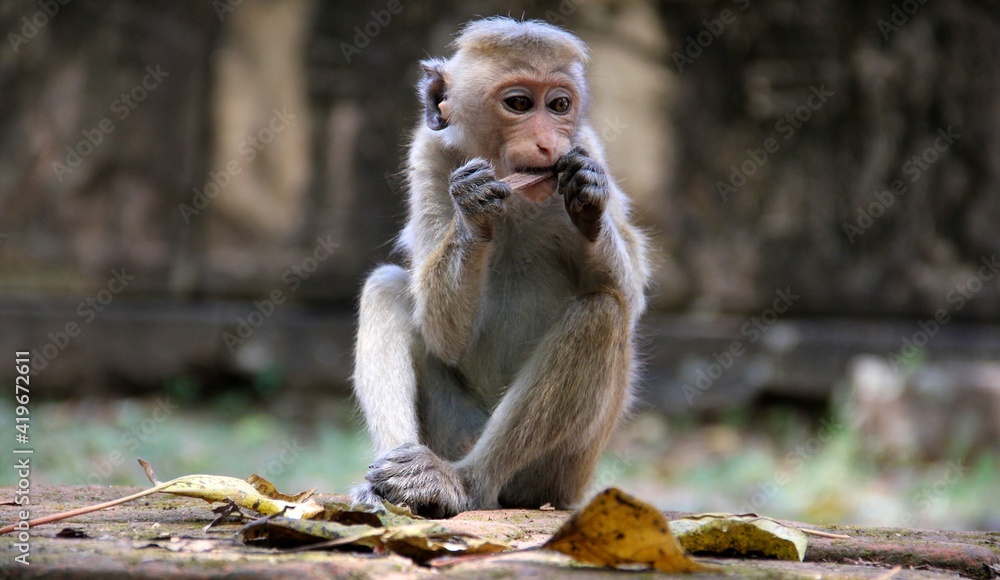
point(617, 530)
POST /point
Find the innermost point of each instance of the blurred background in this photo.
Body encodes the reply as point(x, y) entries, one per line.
point(191, 193)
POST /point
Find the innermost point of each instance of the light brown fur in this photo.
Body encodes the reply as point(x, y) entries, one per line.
point(492, 368)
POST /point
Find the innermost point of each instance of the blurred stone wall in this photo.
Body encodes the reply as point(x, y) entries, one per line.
point(249, 150)
point(855, 100)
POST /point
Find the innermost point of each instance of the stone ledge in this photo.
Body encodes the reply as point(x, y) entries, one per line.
point(111, 550)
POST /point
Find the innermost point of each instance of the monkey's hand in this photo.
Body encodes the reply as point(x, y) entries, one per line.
point(413, 475)
point(478, 195)
point(584, 187)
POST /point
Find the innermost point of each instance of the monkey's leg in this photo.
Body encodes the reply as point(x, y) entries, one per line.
point(399, 388)
point(551, 425)
point(451, 418)
point(561, 408)
point(385, 381)
point(421, 476)
point(559, 477)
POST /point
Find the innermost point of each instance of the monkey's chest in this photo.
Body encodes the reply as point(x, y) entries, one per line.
point(534, 273)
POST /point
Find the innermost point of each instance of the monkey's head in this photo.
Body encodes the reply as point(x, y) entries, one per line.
point(513, 93)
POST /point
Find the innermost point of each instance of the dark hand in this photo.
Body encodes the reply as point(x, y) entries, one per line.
point(478, 195)
point(584, 187)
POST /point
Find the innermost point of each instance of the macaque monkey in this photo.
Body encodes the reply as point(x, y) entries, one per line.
point(493, 367)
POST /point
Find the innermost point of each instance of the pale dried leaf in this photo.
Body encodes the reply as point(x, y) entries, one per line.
point(747, 535)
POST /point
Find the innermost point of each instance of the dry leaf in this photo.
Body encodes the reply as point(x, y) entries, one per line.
point(421, 542)
point(615, 530)
point(282, 532)
point(267, 489)
point(344, 513)
point(224, 512)
point(211, 488)
point(424, 542)
point(523, 182)
point(743, 534)
point(254, 493)
point(518, 181)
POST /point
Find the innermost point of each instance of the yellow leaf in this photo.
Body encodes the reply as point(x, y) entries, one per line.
point(211, 488)
point(253, 493)
point(267, 489)
point(615, 530)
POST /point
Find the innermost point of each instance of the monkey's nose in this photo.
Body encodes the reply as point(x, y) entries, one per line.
point(548, 153)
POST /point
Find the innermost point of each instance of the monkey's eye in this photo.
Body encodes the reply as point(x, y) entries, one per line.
point(518, 103)
point(559, 105)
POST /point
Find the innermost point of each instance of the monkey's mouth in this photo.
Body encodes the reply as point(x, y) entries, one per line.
point(535, 183)
point(551, 170)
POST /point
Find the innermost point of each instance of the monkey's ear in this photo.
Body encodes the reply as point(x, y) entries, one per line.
point(434, 90)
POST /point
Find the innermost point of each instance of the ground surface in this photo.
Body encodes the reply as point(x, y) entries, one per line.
point(778, 461)
point(138, 540)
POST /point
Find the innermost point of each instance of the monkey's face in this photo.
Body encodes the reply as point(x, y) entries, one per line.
point(517, 110)
point(536, 122)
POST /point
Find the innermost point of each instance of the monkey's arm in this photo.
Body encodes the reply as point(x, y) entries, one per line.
point(448, 288)
point(615, 254)
point(617, 260)
point(449, 237)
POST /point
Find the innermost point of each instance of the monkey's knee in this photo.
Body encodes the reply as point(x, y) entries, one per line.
point(387, 284)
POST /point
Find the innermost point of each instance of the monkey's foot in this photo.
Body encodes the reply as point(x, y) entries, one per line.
point(413, 475)
point(364, 494)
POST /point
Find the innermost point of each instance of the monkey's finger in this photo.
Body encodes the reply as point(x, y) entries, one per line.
point(472, 167)
point(579, 168)
point(500, 190)
point(574, 154)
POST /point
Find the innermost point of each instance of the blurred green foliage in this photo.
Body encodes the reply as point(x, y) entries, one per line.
point(782, 463)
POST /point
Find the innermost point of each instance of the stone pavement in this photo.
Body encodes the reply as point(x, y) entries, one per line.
point(161, 536)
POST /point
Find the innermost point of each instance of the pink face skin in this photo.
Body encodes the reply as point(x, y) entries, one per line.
point(537, 122)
